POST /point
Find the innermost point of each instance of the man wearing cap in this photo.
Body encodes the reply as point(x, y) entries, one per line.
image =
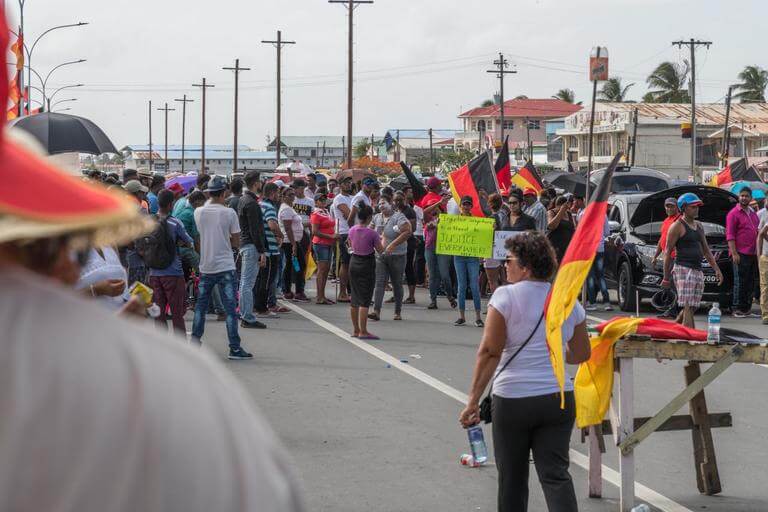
point(434, 203)
point(155, 186)
point(130, 174)
point(670, 206)
point(137, 270)
point(535, 209)
point(93, 404)
point(363, 197)
point(341, 209)
point(741, 227)
point(686, 239)
point(253, 255)
point(219, 229)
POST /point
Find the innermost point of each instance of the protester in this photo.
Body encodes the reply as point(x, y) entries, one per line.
point(415, 255)
point(295, 259)
point(311, 187)
point(500, 218)
point(219, 234)
point(253, 253)
point(670, 207)
point(267, 279)
point(518, 220)
point(323, 239)
point(439, 265)
point(468, 275)
point(340, 209)
point(578, 206)
point(527, 417)
point(741, 227)
point(363, 242)
point(534, 208)
point(390, 264)
point(104, 277)
point(762, 251)
point(561, 226)
point(156, 184)
point(236, 188)
point(190, 256)
point(686, 239)
point(596, 277)
point(366, 195)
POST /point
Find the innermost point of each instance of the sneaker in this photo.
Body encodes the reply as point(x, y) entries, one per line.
point(754, 315)
point(591, 307)
point(238, 354)
point(409, 300)
point(432, 305)
point(459, 322)
point(479, 323)
point(300, 297)
point(607, 307)
point(373, 316)
point(267, 314)
point(740, 314)
point(280, 309)
point(765, 321)
point(397, 316)
point(252, 325)
point(288, 296)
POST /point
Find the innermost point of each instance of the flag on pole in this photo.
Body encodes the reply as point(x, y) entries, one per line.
point(573, 272)
point(418, 188)
point(528, 177)
point(503, 169)
point(735, 171)
point(476, 179)
point(14, 92)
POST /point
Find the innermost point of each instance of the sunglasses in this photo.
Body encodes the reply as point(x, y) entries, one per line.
point(514, 202)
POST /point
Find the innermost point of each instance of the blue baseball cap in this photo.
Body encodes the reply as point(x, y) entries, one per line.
point(370, 182)
point(688, 199)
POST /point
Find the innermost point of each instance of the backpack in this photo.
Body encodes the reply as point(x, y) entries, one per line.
point(158, 248)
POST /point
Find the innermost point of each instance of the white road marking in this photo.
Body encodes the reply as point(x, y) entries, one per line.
point(611, 476)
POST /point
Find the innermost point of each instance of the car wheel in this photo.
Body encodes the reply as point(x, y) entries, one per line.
point(627, 297)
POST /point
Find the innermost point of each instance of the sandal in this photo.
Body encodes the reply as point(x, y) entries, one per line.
point(397, 317)
point(345, 299)
point(325, 302)
point(409, 300)
point(374, 317)
point(368, 336)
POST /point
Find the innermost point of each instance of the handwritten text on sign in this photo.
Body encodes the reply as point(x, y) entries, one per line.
point(459, 235)
point(499, 239)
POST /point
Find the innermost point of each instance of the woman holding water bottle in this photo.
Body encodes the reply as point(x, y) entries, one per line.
point(514, 357)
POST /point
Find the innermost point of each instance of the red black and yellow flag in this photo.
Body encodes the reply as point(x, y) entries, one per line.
point(14, 92)
point(503, 169)
point(735, 171)
point(477, 180)
point(528, 177)
point(573, 272)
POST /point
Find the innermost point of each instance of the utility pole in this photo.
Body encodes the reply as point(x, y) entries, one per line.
point(398, 145)
point(183, 102)
point(692, 44)
point(166, 110)
point(726, 128)
point(203, 86)
point(743, 141)
point(237, 69)
point(528, 136)
point(431, 153)
point(371, 146)
point(634, 138)
point(322, 159)
point(343, 149)
point(502, 64)
point(150, 136)
point(279, 45)
point(351, 6)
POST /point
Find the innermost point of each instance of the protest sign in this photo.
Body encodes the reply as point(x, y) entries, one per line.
point(499, 238)
point(459, 235)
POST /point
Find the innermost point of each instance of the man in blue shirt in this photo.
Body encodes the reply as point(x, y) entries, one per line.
point(155, 186)
point(168, 283)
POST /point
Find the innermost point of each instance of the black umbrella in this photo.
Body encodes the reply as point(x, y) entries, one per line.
point(62, 133)
point(570, 182)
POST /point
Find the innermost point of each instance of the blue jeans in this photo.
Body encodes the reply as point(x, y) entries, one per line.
point(439, 266)
point(596, 278)
point(249, 271)
point(468, 273)
point(226, 282)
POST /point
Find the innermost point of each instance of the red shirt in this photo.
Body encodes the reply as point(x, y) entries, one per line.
point(665, 229)
point(325, 224)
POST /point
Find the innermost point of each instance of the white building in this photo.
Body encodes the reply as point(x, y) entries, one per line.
point(404, 144)
point(218, 158)
point(317, 151)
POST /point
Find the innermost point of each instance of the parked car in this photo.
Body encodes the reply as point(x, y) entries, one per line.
point(635, 221)
point(628, 180)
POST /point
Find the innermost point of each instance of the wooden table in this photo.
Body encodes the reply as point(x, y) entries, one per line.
point(629, 431)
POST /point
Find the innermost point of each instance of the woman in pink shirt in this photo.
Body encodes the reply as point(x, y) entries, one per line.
point(364, 243)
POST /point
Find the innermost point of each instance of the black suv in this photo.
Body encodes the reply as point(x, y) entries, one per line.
point(635, 221)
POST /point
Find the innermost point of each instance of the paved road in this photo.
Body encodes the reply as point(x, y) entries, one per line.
point(366, 435)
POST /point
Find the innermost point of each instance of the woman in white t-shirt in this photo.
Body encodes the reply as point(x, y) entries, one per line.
point(526, 397)
point(293, 231)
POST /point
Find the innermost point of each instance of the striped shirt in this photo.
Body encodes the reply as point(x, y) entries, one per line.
point(269, 213)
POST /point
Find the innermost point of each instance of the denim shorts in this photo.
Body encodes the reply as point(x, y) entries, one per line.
point(323, 252)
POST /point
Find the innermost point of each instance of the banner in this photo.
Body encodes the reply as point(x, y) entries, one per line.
point(499, 239)
point(459, 235)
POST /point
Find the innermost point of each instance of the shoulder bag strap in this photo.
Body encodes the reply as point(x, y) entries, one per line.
point(516, 352)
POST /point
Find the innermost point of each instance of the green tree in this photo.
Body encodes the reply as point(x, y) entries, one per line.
point(754, 80)
point(668, 83)
point(613, 90)
point(566, 95)
point(487, 103)
point(361, 148)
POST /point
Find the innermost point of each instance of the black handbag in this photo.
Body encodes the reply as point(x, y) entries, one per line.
point(485, 405)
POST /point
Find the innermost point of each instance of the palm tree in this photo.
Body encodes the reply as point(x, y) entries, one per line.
point(566, 95)
point(754, 80)
point(613, 91)
point(487, 103)
point(669, 83)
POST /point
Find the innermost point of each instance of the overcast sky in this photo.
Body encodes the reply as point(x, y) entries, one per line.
point(418, 63)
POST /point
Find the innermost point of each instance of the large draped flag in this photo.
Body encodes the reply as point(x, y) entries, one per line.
point(14, 89)
point(735, 171)
point(573, 272)
point(418, 188)
point(503, 169)
point(476, 179)
point(528, 177)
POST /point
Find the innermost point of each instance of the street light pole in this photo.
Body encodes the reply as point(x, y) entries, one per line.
point(204, 86)
point(50, 98)
point(48, 76)
point(183, 102)
point(279, 45)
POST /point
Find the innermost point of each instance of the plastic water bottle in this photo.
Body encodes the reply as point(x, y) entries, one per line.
point(641, 508)
point(713, 324)
point(296, 265)
point(477, 444)
point(468, 460)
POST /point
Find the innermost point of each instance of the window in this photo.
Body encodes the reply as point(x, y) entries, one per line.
point(142, 162)
point(313, 152)
point(509, 125)
point(295, 152)
point(534, 124)
point(603, 144)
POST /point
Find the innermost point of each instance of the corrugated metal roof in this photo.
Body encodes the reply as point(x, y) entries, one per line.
point(312, 141)
point(217, 155)
point(188, 147)
point(422, 133)
point(753, 114)
point(539, 108)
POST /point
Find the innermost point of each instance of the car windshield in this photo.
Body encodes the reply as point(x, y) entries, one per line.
point(635, 183)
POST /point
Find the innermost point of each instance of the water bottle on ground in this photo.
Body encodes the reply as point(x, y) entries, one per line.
point(641, 508)
point(713, 324)
point(468, 460)
point(477, 444)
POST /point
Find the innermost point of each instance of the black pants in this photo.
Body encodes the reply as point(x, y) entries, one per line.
point(290, 275)
point(748, 276)
point(420, 263)
point(533, 424)
point(267, 276)
point(410, 262)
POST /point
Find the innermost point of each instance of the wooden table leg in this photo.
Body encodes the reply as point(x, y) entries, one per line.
point(707, 475)
point(626, 427)
point(595, 462)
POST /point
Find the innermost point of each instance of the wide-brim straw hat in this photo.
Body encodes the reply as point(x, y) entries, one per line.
point(38, 200)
